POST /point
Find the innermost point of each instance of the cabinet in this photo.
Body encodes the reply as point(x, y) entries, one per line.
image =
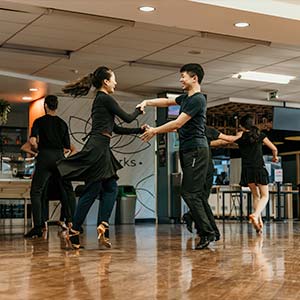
point(11, 140)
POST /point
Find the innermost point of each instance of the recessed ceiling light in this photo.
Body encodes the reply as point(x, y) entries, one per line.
point(27, 98)
point(241, 24)
point(265, 77)
point(33, 89)
point(146, 8)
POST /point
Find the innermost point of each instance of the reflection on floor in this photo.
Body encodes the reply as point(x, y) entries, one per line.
point(154, 262)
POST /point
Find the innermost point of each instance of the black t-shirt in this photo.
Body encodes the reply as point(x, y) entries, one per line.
point(52, 132)
point(212, 134)
point(251, 153)
point(104, 110)
point(192, 133)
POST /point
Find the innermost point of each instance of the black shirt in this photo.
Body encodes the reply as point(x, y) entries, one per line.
point(212, 134)
point(251, 153)
point(192, 133)
point(104, 110)
point(52, 132)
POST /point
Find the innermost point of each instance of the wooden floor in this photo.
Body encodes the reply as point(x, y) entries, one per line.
point(149, 262)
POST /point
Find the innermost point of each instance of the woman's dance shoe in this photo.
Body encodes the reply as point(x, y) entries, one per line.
point(101, 229)
point(72, 237)
point(255, 223)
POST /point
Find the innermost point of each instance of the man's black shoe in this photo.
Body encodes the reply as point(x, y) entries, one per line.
point(204, 242)
point(35, 232)
point(188, 220)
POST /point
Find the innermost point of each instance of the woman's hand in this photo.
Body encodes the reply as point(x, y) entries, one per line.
point(145, 127)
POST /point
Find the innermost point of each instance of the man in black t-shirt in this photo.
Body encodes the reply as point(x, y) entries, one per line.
point(193, 146)
point(49, 136)
point(215, 138)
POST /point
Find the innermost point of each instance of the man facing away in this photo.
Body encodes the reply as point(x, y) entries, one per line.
point(49, 136)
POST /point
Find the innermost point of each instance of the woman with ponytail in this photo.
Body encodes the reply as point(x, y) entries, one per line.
point(254, 173)
point(95, 164)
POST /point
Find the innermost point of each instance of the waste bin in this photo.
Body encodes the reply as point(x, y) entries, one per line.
point(126, 202)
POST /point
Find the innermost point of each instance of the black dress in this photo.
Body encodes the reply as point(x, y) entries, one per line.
point(253, 166)
point(96, 161)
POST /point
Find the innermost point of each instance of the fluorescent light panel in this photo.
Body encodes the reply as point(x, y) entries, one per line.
point(31, 77)
point(36, 50)
point(154, 64)
point(265, 77)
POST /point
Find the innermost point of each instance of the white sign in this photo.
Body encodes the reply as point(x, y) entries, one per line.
point(278, 175)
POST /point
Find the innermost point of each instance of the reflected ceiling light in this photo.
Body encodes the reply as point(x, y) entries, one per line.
point(147, 8)
point(265, 77)
point(278, 143)
point(241, 24)
point(292, 138)
point(33, 89)
point(26, 98)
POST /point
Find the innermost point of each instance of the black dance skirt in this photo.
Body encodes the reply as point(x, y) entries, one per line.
point(94, 162)
point(257, 175)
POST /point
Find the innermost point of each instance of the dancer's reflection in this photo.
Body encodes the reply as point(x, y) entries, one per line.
point(261, 264)
point(106, 287)
point(53, 275)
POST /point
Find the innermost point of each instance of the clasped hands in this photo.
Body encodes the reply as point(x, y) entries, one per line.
point(149, 132)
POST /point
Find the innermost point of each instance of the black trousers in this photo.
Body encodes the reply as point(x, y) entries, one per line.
point(53, 192)
point(207, 189)
point(107, 189)
point(194, 164)
point(44, 169)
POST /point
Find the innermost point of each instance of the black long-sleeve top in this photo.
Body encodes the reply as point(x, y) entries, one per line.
point(104, 110)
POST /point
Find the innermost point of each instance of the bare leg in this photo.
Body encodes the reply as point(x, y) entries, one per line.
point(256, 198)
point(264, 198)
point(255, 218)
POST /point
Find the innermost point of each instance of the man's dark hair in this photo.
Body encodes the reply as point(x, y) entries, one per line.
point(51, 101)
point(192, 70)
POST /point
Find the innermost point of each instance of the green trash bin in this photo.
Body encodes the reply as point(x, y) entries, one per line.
point(126, 203)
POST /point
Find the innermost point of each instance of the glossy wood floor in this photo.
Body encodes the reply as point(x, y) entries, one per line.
point(149, 262)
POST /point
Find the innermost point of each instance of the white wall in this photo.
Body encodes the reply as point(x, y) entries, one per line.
point(136, 157)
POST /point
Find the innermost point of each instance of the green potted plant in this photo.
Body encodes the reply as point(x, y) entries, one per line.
point(5, 109)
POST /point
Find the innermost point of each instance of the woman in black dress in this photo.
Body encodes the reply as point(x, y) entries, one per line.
point(95, 164)
point(254, 173)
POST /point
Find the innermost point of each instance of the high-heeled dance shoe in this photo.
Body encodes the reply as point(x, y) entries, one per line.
point(72, 238)
point(62, 225)
point(254, 222)
point(102, 237)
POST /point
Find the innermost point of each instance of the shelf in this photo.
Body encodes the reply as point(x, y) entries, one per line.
point(8, 138)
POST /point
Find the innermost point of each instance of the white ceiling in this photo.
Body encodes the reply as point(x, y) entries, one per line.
point(159, 50)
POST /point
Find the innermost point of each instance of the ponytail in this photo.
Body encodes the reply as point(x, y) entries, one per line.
point(82, 86)
point(79, 88)
point(254, 134)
